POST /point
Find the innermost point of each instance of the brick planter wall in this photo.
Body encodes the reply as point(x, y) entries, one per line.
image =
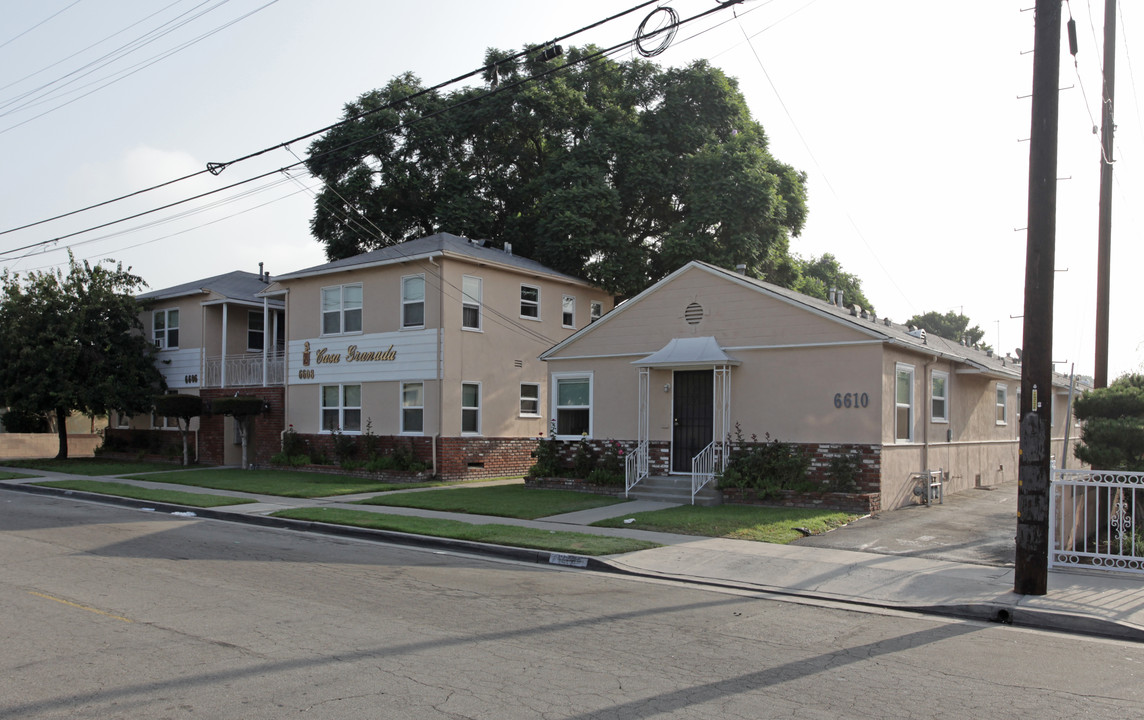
point(150, 444)
point(856, 503)
point(659, 452)
point(263, 442)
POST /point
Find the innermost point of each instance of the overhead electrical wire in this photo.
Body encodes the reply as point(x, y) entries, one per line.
point(25, 32)
point(500, 89)
point(216, 167)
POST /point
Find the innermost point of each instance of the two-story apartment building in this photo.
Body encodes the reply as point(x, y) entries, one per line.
point(433, 343)
point(672, 372)
point(216, 336)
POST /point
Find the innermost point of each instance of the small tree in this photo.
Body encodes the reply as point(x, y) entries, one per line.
point(1113, 434)
point(243, 408)
point(183, 407)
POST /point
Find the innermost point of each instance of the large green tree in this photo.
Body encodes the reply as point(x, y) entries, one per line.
point(73, 343)
point(1112, 437)
point(950, 325)
point(817, 275)
point(619, 172)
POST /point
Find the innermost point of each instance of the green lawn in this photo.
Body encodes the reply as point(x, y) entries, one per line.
point(568, 542)
point(173, 497)
point(283, 483)
point(515, 501)
point(90, 466)
point(740, 522)
point(15, 476)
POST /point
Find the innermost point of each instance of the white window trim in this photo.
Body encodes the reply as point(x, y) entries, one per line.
point(341, 407)
point(537, 398)
point(898, 369)
point(939, 418)
point(404, 302)
point(564, 302)
point(480, 391)
point(595, 311)
point(166, 313)
point(477, 302)
point(555, 398)
point(529, 302)
point(251, 314)
point(401, 408)
point(1002, 389)
point(341, 311)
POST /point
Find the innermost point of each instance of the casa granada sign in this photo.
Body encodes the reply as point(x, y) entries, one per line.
point(323, 356)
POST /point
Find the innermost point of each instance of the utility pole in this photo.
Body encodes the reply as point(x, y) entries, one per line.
point(1032, 560)
point(1104, 230)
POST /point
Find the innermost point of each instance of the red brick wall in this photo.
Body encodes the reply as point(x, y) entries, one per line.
point(263, 442)
point(458, 458)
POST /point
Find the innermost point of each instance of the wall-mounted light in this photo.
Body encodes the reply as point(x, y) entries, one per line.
point(667, 387)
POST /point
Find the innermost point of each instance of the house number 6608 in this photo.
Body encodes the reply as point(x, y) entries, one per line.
point(851, 400)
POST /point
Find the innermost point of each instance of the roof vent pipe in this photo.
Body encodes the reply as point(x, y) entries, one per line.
point(259, 271)
point(831, 294)
point(838, 298)
point(741, 268)
point(508, 248)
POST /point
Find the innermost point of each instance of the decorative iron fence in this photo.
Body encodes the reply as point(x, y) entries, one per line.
point(705, 465)
point(636, 466)
point(1093, 518)
point(245, 370)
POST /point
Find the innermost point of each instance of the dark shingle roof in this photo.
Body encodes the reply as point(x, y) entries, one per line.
point(238, 286)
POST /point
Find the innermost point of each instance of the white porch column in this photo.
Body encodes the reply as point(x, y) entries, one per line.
point(223, 368)
point(266, 339)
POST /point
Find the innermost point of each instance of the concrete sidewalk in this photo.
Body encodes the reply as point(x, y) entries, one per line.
point(1087, 602)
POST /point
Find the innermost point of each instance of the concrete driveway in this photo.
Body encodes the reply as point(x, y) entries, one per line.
point(976, 526)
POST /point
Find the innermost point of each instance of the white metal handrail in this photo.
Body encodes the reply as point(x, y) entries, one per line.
point(704, 466)
point(244, 370)
point(635, 467)
point(1092, 520)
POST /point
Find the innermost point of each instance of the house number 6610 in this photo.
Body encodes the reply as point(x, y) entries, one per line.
point(851, 400)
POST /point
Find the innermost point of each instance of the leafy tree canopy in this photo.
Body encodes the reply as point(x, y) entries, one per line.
point(951, 326)
point(74, 343)
point(618, 172)
point(816, 276)
point(1112, 437)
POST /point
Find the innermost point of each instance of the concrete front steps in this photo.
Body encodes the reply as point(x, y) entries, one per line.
point(674, 489)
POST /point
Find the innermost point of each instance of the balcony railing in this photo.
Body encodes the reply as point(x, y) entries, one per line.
point(245, 370)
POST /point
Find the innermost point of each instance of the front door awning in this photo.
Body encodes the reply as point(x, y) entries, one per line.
point(697, 352)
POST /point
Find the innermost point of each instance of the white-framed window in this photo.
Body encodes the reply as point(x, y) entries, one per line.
point(568, 311)
point(412, 408)
point(530, 399)
point(572, 408)
point(529, 302)
point(904, 403)
point(122, 419)
point(413, 301)
point(255, 330)
point(471, 302)
point(341, 408)
point(342, 309)
point(165, 326)
point(1002, 404)
point(595, 311)
point(470, 408)
point(939, 396)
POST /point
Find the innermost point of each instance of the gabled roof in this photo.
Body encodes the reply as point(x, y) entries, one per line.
point(237, 286)
point(880, 328)
point(440, 244)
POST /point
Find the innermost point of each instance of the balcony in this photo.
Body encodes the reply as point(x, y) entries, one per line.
point(245, 370)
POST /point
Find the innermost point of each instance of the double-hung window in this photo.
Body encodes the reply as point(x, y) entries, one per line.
point(412, 408)
point(341, 309)
point(255, 330)
point(470, 408)
point(413, 301)
point(568, 311)
point(939, 396)
point(530, 399)
point(904, 403)
point(573, 411)
point(595, 311)
point(530, 302)
point(471, 302)
point(1002, 404)
point(341, 408)
point(165, 324)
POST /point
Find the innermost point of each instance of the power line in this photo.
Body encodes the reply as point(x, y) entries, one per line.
point(591, 57)
point(22, 34)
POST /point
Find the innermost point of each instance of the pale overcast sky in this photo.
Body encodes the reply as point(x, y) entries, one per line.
point(907, 116)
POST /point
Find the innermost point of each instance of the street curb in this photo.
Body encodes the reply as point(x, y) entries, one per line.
point(1008, 613)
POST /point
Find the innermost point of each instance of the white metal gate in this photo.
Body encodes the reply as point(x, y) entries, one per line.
point(1093, 518)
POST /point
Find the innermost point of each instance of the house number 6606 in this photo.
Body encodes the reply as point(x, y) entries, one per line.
point(851, 400)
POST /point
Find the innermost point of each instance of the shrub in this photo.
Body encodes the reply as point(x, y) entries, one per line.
point(583, 459)
point(767, 467)
point(19, 421)
point(843, 473)
point(292, 443)
point(345, 446)
point(547, 454)
point(369, 440)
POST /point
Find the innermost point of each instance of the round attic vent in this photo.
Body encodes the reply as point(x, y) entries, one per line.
point(693, 314)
